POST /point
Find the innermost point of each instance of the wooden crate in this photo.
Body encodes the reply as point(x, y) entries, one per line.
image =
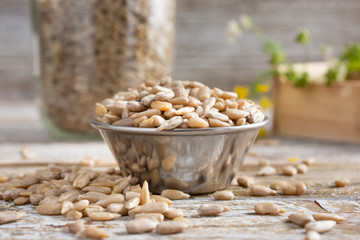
point(319, 112)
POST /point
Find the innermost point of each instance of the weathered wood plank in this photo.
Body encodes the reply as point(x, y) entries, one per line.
point(240, 222)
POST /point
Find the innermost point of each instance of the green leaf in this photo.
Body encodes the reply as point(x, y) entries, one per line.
point(275, 51)
point(331, 76)
point(354, 66)
point(351, 55)
point(336, 73)
point(277, 58)
point(303, 37)
point(302, 80)
point(291, 75)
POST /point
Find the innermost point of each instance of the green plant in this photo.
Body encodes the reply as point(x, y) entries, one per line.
point(351, 55)
point(349, 61)
point(275, 52)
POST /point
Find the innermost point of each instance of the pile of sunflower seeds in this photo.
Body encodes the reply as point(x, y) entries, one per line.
point(79, 192)
point(167, 104)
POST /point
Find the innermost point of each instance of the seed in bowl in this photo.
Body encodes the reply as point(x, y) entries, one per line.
point(166, 105)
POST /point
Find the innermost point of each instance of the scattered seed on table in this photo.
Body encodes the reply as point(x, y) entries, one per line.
point(328, 216)
point(3, 178)
point(289, 189)
point(302, 168)
point(245, 181)
point(49, 209)
point(300, 188)
point(10, 216)
point(268, 208)
point(259, 190)
point(266, 171)
point(141, 225)
point(95, 232)
point(157, 207)
point(152, 216)
point(310, 161)
point(103, 216)
point(173, 213)
point(171, 227)
point(223, 195)
point(134, 202)
point(278, 185)
point(74, 215)
point(211, 209)
point(158, 198)
point(76, 227)
point(320, 226)
point(81, 205)
point(289, 170)
point(173, 194)
point(67, 206)
point(312, 235)
point(342, 182)
point(301, 218)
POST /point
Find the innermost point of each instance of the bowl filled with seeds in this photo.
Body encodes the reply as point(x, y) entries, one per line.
point(179, 134)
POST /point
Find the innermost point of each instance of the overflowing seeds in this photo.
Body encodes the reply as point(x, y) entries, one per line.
point(165, 104)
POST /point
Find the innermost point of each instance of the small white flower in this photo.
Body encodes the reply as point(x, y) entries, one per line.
point(233, 31)
point(246, 22)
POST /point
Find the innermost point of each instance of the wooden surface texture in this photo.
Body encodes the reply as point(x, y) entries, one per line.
point(202, 54)
point(239, 223)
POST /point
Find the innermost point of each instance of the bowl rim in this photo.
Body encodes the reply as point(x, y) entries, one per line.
point(179, 131)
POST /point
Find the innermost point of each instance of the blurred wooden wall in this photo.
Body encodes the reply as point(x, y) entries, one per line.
point(202, 52)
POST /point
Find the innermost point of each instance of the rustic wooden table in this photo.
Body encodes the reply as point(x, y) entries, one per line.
point(334, 161)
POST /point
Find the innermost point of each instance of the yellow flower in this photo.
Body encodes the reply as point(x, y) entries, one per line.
point(265, 102)
point(242, 91)
point(293, 159)
point(263, 132)
point(262, 88)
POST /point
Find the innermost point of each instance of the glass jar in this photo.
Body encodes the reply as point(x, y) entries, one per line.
point(87, 50)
